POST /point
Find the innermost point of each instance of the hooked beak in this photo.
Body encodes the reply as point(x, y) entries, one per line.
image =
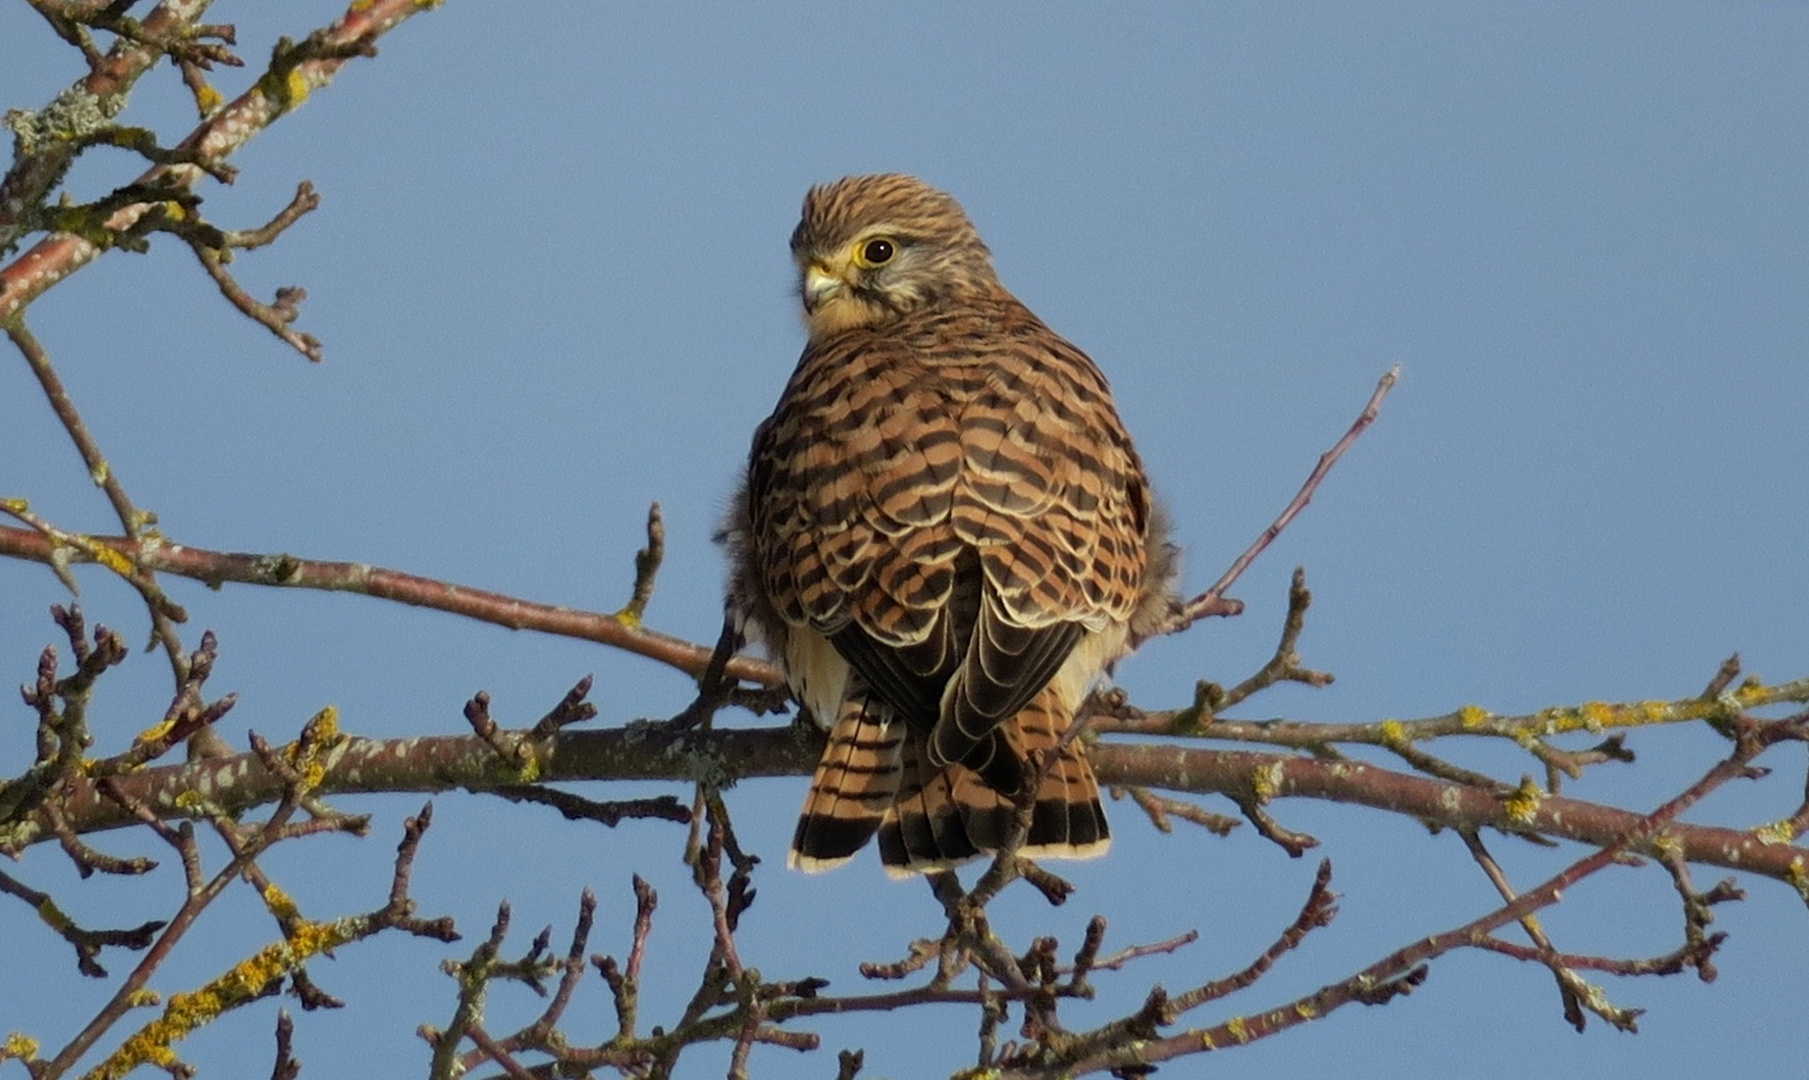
point(820, 284)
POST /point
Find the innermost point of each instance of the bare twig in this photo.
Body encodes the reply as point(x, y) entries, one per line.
point(611, 813)
point(1214, 601)
point(286, 1067)
point(296, 70)
point(646, 568)
point(1571, 989)
point(87, 943)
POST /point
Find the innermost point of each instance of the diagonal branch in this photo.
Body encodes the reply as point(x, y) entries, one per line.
point(1214, 601)
point(296, 71)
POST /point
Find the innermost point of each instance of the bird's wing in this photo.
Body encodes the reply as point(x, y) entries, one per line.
point(1053, 498)
point(953, 527)
point(851, 494)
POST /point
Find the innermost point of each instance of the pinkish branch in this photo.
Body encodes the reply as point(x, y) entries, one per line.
point(296, 71)
point(286, 571)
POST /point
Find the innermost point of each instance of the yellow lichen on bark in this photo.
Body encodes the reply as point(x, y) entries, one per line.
point(319, 734)
point(153, 1044)
point(19, 1045)
point(1778, 832)
point(1522, 804)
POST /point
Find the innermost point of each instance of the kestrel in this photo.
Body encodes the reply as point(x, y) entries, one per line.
point(945, 539)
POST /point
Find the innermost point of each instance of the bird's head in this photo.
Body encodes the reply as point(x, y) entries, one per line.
point(872, 248)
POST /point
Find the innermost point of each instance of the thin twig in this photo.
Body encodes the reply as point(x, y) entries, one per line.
point(1214, 601)
point(164, 615)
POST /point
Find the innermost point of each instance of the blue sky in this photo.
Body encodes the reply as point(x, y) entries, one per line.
point(551, 278)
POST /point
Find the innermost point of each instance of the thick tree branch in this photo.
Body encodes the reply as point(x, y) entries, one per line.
point(649, 752)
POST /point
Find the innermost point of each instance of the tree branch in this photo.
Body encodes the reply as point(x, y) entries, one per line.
point(215, 568)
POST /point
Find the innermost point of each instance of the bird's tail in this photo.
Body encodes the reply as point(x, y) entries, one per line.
point(943, 817)
point(853, 788)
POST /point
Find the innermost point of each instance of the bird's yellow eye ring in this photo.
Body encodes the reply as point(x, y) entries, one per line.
point(875, 252)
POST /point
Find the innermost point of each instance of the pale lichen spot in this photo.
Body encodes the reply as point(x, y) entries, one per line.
point(155, 732)
point(1798, 877)
point(1522, 804)
point(1752, 691)
point(1266, 783)
point(20, 1046)
point(1778, 832)
point(279, 902)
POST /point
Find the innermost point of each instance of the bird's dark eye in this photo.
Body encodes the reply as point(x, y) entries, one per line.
point(877, 252)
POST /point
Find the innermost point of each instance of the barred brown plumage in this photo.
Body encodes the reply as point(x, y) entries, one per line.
point(945, 537)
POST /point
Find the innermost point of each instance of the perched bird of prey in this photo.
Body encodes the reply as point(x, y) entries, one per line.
point(945, 538)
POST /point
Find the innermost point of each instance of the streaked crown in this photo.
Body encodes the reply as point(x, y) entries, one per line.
point(872, 248)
